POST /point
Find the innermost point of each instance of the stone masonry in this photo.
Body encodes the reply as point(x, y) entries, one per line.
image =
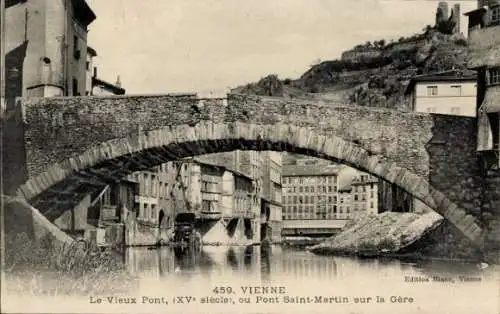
point(70, 143)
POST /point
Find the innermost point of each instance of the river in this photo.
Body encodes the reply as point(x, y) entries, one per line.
point(452, 287)
point(221, 279)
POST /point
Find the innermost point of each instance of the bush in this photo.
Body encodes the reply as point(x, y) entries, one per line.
point(461, 41)
point(68, 270)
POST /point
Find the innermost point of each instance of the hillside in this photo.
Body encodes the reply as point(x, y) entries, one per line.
point(372, 74)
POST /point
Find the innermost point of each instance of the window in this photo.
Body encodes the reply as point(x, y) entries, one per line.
point(455, 110)
point(75, 87)
point(432, 90)
point(495, 15)
point(456, 90)
point(494, 76)
point(431, 109)
point(76, 49)
point(153, 211)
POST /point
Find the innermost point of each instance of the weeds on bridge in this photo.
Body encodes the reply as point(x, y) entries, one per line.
point(39, 269)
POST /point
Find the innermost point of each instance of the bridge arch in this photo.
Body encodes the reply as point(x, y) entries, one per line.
point(119, 157)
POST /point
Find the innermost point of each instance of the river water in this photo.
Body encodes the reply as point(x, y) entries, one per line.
point(219, 279)
point(302, 274)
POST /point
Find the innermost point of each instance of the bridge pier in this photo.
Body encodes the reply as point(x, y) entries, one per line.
point(13, 151)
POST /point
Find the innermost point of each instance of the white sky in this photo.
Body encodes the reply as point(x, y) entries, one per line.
point(162, 46)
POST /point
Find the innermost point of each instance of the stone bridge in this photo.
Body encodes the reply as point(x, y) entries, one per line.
point(64, 148)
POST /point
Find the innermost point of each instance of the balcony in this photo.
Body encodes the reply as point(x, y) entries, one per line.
point(109, 213)
point(207, 215)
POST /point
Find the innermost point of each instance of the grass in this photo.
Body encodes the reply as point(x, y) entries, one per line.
point(30, 269)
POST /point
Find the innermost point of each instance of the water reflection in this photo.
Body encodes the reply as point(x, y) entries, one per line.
point(273, 263)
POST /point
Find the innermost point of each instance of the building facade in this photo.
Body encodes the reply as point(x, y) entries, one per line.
point(484, 47)
point(96, 86)
point(271, 195)
point(364, 194)
point(158, 195)
point(451, 92)
point(310, 192)
point(46, 44)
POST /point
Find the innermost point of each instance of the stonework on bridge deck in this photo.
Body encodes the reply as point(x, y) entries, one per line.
point(73, 145)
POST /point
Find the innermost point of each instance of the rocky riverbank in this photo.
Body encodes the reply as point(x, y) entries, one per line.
point(386, 233)
point(404, 236)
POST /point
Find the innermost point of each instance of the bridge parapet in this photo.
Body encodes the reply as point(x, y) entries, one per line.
point(104, 136)
point(59, 128)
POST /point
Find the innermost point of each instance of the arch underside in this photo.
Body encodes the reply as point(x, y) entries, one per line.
point(60, 187)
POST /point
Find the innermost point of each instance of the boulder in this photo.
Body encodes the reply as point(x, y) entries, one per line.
point(385, 233)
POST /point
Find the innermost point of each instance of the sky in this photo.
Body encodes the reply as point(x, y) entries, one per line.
point(208, 46)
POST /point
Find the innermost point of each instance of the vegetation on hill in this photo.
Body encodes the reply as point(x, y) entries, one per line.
point(378, 79)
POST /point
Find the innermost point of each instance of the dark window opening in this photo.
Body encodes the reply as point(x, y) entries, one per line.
point(75, 87)
point(495, 15)
point(87, 65)
point(495, 129)
point(494, 76)
point(76, 50)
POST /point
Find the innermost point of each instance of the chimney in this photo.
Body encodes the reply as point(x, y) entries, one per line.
point(95, 72)
point(118, 82)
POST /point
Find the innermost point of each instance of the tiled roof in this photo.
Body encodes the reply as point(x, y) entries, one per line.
point(117, 90)
point(345, 188)
point(446, 76)
point(310, 170)
point(370, 179)
point(217, 165)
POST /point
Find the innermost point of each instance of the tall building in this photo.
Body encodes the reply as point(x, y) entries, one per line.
point(271, 194)
point(364, 194)
point(156, 195)
point(46, 47)
point(484, 57)
point(310, 192)
point(450, 92)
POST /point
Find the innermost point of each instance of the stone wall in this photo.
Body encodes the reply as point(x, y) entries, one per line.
point(35, 228)
point(454, 166)
point(59, 128)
